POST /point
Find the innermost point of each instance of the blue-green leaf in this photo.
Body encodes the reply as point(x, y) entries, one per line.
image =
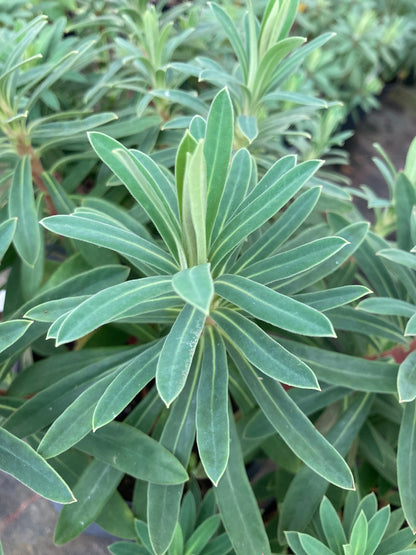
point(195, 286)
point(275, 308)
point(21, 461)
point(293, 426)
point(177, 353)
point(212, 424)
point(109, 305)
point(262, 351)
point(22, 206)
point(131, 451)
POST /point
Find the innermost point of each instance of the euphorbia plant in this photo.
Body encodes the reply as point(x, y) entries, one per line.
point(209, 285)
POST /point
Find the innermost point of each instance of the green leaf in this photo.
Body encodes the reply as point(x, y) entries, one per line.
point(312, 546)
point(195, 286)
point(270, 306)
point(358, 538)
point(116, 518)
point(194, 207)
point(406, 379)
point(306, 489)
point(399, 257)
point(293, 540)
point(212, 424)
point(217, 151)
point(197, 127)
point(404, 200)
point(271, 239)
point(333, 298)
point(238, 506)
point(293, 426)
point(178, 436)
point(32, 416)
point(21, 461)
point(187, 145)
point(294, 261)
point(354, 234)
point(93, 489)
point(202, 535)
point(406, 459)
point(308, 401)
point(387, 306)
point(127, 548)
point(82, 283)
point(269, 62)
point(235, 189)
point(132, 378)
point(11, 331)
point(350, 319)
point(75, 422)
point(135, 453)
point(177, 353)
point(146, 183)
point(377, 526)
point(7, 230)
point(344, 370)
point(260, 206)
point(52, 310)
point(261, 350)
point(248, 125)
point(332, 527)
point(113, 237)
point(22, 206)
point(109, 305)
point(411, 326)
point(232, 34)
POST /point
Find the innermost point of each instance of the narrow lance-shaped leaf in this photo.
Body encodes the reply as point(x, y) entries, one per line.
point(75, 422)
point(93, 489)
point(339, 369)
point(110, 304)
point(332, 298)
point(262, 351)
point(235, 189)
point(212, 424)
point(195, 286)
point(177, 353)
point(288, 264)
point(187, 145)
point(270, 306)
point(112, 237)
point(194, 207)
point(280, 230)
point(11, 331)
point(260, 208)
point(217, 151)
point(178, 436)
point(306, 489)
point(232, 34)
point(21, 461)
point(133, 377)
point(152, 195)
point(238, 506)
point(293, 426)
point(22, 206)
point(135, 453)
point(7, 230)
point(406, 460)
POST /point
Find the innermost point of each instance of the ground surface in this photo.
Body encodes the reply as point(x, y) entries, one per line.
point(27, 521)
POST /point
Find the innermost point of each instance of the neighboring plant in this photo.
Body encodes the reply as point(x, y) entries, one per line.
point(364, 530)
